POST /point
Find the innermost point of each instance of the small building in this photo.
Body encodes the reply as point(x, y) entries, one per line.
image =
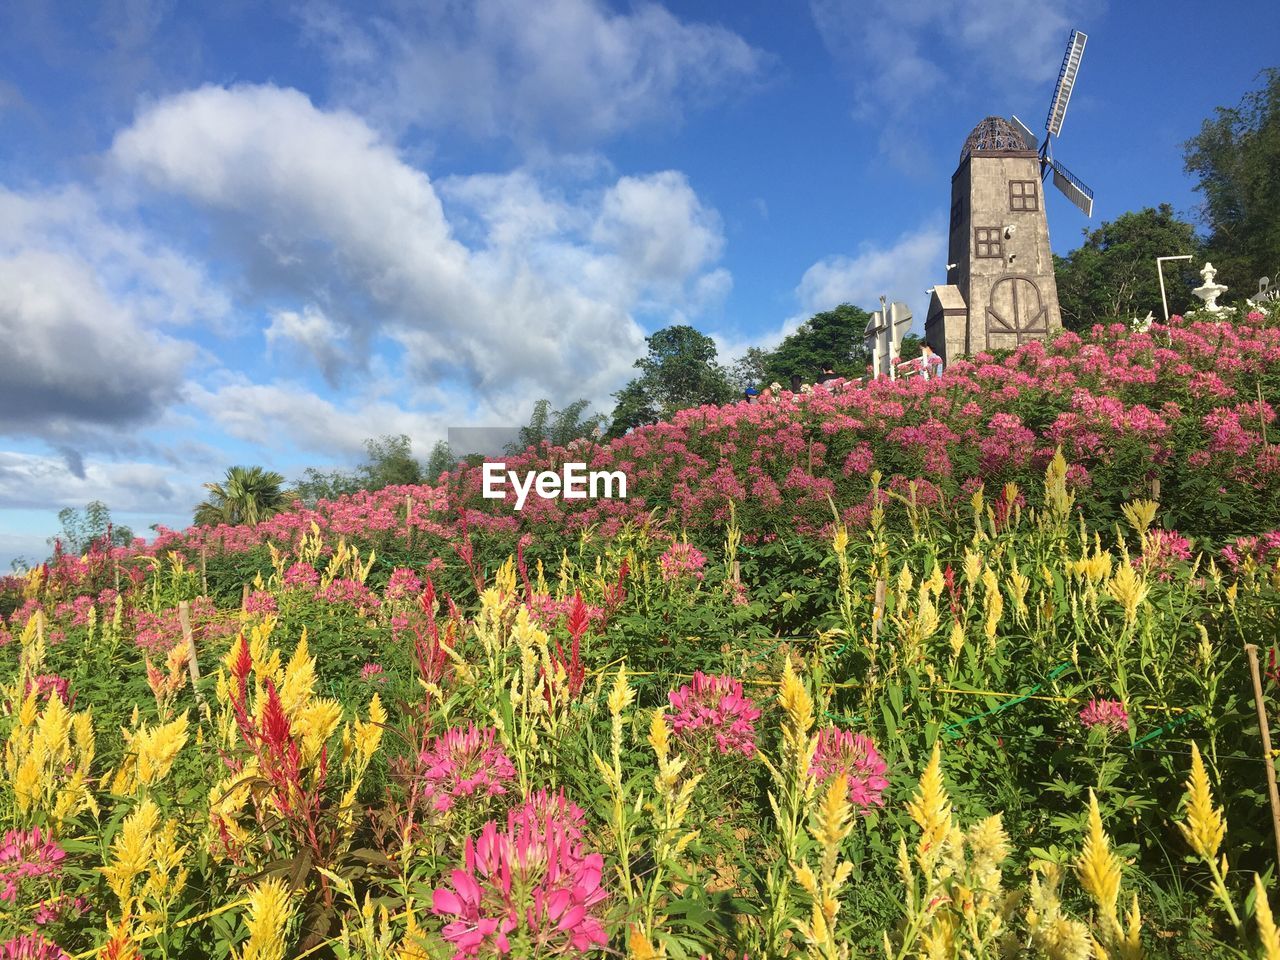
point(1000, 291)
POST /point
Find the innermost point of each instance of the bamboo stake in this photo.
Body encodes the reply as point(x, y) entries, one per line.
point(193, 665)
point(1264, 730)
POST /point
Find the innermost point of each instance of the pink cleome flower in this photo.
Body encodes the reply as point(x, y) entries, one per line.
point(1108, 715)
point(301, 576)
point(533, 880)
point(62, 907)
point(47, 685)
point(260, 601)
point(31, 946)
point(27, 855)
point(714, 706)
point(842, 753)
point(681, 561)
point(463, 763)
point(403, 584)
point(373, 672)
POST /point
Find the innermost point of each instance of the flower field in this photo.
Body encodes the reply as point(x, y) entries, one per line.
point(947, 668)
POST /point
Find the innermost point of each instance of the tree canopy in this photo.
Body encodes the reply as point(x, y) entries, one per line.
point(245, 495)
point(680, 370)
point(84, 528)
point(389, 463)
point(560, 427)
point(1236, 155)
point(1112, 275)
point(833, 336)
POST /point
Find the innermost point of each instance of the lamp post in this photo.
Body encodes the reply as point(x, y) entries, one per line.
point(1160, 270)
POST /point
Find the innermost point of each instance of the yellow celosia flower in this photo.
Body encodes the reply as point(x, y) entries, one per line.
point(315, 724)
point(621, 695)
point(840, 541)
point(1140, 514)
point(930, 808)
point(269, 914)
point(156, 749)
point(1099, 869)
point(298, 683)
point(1267, 934)
point(131, 852)
point(1204, 827)
point(1129, 589)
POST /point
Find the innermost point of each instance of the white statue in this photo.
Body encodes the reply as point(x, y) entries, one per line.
point(1209, 292)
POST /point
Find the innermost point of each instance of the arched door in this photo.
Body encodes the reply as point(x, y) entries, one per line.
point(1016, 308)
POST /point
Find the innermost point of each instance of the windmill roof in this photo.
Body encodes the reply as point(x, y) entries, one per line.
point(993, 135)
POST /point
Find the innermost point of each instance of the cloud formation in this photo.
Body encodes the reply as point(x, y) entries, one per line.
point(537, 302)
point(570, 72)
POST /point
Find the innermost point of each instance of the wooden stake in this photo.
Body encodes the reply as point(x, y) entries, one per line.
point(204, 577)
point(1264, 729)
point(193, 665)
point(244, 597)
point(736, 572)
point(878, 615)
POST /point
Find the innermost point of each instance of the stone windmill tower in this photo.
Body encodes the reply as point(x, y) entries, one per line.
point(1000, 289)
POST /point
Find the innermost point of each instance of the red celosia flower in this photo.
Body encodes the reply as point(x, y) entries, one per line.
point(532, 881)
point(714, 706)
point(464, 763)
point(853, 756)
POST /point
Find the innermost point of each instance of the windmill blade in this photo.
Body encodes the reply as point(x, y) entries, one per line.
point(1028, 137)
point(1072, 187)
point(1066, 82)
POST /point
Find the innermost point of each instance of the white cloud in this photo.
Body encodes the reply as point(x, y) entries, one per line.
point(312, 332)
point(901, 271)
point(30, 480)
point(908, 57)
point(75, 355)
point(537, 302)
point(572, 71)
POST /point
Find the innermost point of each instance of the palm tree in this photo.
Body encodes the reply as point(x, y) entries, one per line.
point(246, 495)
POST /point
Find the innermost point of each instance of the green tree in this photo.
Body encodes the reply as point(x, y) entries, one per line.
point(389, 463)
point(440, 461)
point(245, 495)
point(83, 528)
point(680, 370)
point(1112, 275)
point(750, 370)
point(1236, 155)
point(558, 428)
point(833, 336)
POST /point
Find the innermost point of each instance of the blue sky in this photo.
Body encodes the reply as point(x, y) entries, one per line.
point(260, 233)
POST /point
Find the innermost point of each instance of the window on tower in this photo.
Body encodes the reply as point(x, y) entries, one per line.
point(1023, 196)
point(987, 243)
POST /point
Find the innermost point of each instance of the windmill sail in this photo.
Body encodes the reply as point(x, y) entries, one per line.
point(1066, 82)
point(1074, 188)
point(1027, 136)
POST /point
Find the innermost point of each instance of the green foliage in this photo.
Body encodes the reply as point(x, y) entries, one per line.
point(441, 460)
point(82, 529)
point(680, 370)
point(833, 336)
point(390, 463)
point(1236, 155)
point(246, 495)
point(1112, 275)
point(751, 369)
point(558, 428)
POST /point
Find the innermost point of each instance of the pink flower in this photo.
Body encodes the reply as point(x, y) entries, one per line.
point(532, 880)
point(31, 946)
point(354, 593)
point(47, 685)
point(301, 576)
point(260, 601)
point(59, 908)
point(682, 560)
point(842, 753)
point(403, 585)
point(373, 671)
point(1109, 715)
point(463, 763)
point(27, 855)
point(714, 706)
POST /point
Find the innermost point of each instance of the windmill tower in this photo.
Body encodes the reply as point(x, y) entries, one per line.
point(1000, 289)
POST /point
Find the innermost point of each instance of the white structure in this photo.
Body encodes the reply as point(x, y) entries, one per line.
point(1209, 291)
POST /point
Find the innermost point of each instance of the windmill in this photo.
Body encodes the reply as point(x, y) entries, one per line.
point(1072, 187)
point(1001, 290)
